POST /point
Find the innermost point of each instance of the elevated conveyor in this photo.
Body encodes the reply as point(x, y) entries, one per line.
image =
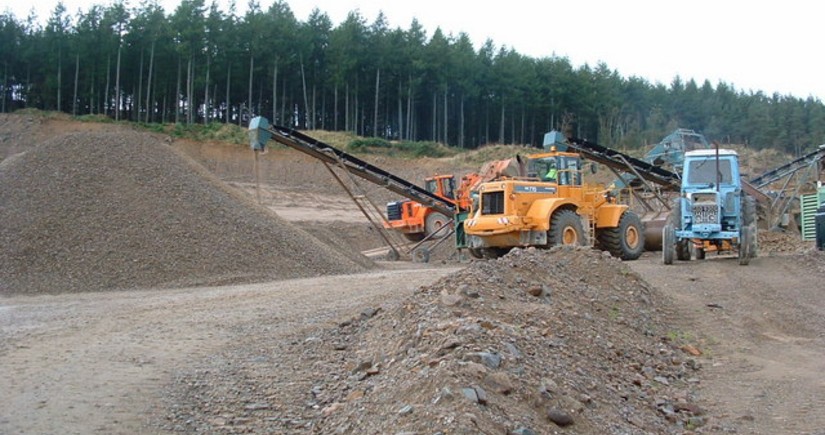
point(623, 162)
point(260, 131)
point(789, 169)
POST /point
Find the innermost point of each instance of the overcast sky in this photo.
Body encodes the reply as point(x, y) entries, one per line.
point(752, 45)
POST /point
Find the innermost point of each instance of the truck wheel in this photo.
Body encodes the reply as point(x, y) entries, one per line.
point(700, 253)
point(668, 242)
point(421, 255)
point(745, 245)
point(414, 237)
point(565, 229)
point(433, 224)
point(625, 241)
point(493, 253)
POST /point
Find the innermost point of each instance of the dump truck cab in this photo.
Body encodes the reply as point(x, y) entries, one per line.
point(548, 204)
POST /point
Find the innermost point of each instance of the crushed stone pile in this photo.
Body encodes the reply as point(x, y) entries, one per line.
point(121, 210)
point(781, 241)
point(536, 342)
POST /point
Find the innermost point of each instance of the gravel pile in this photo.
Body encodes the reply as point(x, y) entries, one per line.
point(771, 241)
point(118, 210)
point(537, 342)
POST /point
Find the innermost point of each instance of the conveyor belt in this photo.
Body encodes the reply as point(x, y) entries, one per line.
point(329, 154)
point(789, 169)
point(620, 161)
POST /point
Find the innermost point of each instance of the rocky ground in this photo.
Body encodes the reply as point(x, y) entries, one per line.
point(535, 342)
point(542, 342)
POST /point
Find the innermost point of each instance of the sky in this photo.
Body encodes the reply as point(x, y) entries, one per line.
point(772, 47)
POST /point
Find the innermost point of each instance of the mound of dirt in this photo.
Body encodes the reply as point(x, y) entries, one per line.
point(527, 344)
point(771, 241)
point(116, 210)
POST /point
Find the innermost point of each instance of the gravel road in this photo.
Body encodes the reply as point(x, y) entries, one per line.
point(98, 362)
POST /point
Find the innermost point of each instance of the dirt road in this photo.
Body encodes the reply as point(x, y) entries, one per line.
point(84, 363)
point(98, 362)
point(762, 331)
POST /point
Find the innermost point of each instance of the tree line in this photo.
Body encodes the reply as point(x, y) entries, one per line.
point(200, 64)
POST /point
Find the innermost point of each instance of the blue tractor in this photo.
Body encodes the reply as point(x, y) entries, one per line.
point(712, 213)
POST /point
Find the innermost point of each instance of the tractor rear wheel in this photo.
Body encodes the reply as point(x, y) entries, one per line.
point(745, 244)
point(435, 223)
point(565, 229)
point(748, 210)
point(625, 241)
point(754, 248)
point(668, 243)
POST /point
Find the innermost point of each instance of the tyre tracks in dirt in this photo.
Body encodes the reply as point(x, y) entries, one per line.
point(97, 362)
point(762, 331)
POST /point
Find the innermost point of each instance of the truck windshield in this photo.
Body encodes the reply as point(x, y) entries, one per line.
point(704, 171)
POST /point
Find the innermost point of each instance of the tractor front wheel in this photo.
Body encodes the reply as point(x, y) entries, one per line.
point(668, 243)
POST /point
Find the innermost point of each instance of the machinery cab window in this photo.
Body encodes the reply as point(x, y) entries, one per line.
point(704, 171)
point(441, 186)
point(570, 171)
point(545, 168)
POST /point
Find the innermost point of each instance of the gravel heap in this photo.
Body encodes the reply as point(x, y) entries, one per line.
point(536, 342)
point(781, 241)
point(119, 210)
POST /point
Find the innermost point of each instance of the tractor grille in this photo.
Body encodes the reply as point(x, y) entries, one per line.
point(705, 214)
point(394, 210)
point(492, 203)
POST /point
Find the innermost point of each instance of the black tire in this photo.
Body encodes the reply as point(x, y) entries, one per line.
point(475, 253)
point(748, 210)
point(414, 237)
point(625, 241)
point(434, 222)
point(745, 245)
point(668, 243)
point(493, 253)
point(683, 250)
point(676, 214)
point(753, 249)
point(700, 253)
point(565, 229)
point(421, 255)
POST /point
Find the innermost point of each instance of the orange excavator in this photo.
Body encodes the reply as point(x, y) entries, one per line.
point(417, 221)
